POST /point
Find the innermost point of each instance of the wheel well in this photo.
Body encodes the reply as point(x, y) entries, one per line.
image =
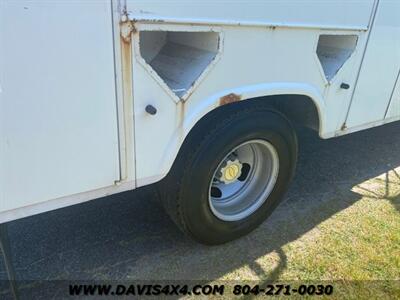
point(299, 109)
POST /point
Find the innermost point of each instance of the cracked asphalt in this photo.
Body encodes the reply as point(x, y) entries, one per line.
point(129, 237)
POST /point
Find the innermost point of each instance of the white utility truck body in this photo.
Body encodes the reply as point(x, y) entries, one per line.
point(97, 97)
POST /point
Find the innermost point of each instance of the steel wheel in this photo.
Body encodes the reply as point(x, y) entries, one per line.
point(243, 180)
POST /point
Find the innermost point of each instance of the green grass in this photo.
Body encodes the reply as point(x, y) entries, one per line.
point(358, 248)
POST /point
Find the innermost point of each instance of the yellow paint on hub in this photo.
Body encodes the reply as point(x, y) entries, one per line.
point(231, 172)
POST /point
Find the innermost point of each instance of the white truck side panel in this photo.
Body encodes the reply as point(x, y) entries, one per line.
point(267, 48)
point(60, 64)
point(380, 67)
point(268, 66)
point(58, 116)
point(309, 13)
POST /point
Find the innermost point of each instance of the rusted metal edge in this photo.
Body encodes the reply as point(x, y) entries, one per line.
point(230, 98)
point(126, 30)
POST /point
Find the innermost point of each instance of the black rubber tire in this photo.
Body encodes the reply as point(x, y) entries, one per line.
point(184, 192)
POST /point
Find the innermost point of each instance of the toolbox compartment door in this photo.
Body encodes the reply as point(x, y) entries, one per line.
point(58, 116)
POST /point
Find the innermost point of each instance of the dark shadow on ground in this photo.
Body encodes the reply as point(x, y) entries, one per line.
point(129, 237)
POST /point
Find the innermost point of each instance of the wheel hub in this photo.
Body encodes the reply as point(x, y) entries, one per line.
point(231, 171)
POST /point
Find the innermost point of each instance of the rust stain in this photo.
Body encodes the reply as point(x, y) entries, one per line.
point(126, 30)
point(181, 111)
point(230, 98)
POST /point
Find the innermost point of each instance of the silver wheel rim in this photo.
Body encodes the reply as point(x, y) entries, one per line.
point(243, 180)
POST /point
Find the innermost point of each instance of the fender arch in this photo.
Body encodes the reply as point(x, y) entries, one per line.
point(255, 91)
